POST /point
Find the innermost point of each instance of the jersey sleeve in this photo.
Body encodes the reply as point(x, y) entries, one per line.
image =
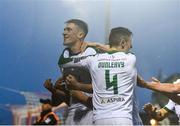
point(64, 57)
point(132, 59)
point(91, 51)
point(84, 61)
point(170, 106)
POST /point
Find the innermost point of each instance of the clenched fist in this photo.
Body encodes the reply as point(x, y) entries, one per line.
point(72, 83)
point(149, 108)
point(48, 85)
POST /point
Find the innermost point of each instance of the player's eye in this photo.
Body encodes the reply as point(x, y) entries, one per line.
point(69, 29)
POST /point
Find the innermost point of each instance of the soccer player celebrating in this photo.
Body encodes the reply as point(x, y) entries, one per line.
point(114, 78)
point(74, 34)
point(74, 84)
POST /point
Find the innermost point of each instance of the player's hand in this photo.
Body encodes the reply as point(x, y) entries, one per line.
point(149, 108)
point(58, 83)
point(72, 83)
point(48, 85)
point(155, 80)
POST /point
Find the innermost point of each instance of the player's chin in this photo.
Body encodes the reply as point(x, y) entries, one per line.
point(67, 43)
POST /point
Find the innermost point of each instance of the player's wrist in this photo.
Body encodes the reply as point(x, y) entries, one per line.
point(53, 89)
point(78, 86)
point(73, 93)
point(147, 85)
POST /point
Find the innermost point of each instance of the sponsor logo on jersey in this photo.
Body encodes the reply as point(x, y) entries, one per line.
point(112, 100)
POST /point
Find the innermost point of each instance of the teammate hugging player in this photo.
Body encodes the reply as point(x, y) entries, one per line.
point(113, 87)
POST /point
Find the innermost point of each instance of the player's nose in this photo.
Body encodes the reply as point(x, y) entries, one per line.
point(64, 33)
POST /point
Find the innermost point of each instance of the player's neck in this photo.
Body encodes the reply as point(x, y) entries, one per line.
point(76, 47)
point(119, 49)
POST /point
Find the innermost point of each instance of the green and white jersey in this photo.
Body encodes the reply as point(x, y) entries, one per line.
point(114, 79)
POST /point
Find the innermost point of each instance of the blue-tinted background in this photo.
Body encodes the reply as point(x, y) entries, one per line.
point(31, 38)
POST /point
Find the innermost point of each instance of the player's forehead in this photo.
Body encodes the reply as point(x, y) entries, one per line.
point(71, 26)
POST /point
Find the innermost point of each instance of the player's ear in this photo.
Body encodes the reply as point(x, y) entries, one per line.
point(80, 35)
point(123, 43)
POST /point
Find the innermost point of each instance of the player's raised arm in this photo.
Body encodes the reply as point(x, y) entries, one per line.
point(163, 87)
point(168, 89)
point(97, 45)
point(156, 85)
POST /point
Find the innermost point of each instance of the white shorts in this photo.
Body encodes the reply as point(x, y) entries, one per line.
point(114, 121)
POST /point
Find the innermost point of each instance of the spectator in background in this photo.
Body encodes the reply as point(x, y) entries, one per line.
point(47, 117)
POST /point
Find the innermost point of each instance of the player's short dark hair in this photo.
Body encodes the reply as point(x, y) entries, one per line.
point(117, 34)
point(81, 24)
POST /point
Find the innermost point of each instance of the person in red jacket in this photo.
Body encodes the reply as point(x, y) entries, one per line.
point(47, 117)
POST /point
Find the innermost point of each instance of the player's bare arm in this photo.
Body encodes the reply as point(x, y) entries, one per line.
point(156, 85)
point(95, 44)
point(58, 90)
point(168, 89)
point(84, 99)
point(141, 82)
point(163, 87)
point(73, 84)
